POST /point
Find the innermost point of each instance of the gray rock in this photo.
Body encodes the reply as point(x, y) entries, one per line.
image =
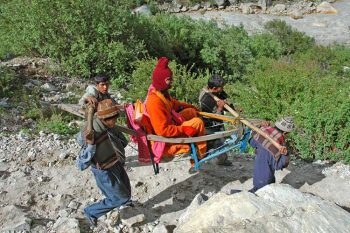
point(296, 15)
point(274, 208)
point(74, 205)
point(326, 8)
point(278, 8)
point(233, 2)
point(160, 229)
point(131, 216)
point(64, 225)
point(196, 7)
point(14, 219)
point(144, 9)
point(265, 3)
point(63, 200)
point(49, 87)
point(220, 2)
point(246, 8)
point(198, 200)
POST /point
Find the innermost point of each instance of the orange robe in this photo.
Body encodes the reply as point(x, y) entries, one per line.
point(159, 110)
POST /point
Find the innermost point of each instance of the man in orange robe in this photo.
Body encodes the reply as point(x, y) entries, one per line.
point(170, 117)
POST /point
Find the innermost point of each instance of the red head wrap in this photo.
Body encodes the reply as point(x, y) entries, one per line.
point(160, 73)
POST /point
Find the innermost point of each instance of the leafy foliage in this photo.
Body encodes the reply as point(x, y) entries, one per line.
point(7, 82)
point(318, 101)
point(292, 40)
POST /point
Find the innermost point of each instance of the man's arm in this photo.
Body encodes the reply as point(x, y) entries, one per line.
point(159, 118)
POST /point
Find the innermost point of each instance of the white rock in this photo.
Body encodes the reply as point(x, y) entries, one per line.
point(64, 225)
point(274, 208)
point(14, 219)
point(131, 216)
point(326, 8)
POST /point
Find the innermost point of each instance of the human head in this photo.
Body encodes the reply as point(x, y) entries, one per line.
point(162, 76)
point(216, 83)
point(102, 84)
point(285, 124)
point(107, 112)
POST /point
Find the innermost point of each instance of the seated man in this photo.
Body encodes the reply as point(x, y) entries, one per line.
point(97, 93)
point(207, 104)
point(170, 117)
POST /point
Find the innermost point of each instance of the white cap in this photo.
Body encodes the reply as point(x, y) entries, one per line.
point(285, 124)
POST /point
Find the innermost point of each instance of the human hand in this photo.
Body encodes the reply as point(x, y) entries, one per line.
point(265, 123)
point(89, 136)
point(189, 130)
point(91, 100)
point(283, 150)
point(220, 103)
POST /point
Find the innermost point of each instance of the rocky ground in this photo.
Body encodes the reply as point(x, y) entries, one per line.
point(42, 191)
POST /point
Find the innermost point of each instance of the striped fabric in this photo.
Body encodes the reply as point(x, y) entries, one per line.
point(274, 134)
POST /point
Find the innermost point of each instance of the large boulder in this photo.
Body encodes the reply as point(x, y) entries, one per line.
point(326, 8)
point(274, 208)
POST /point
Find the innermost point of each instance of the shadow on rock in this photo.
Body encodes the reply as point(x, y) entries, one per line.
point(303, 172)
point(209, 180)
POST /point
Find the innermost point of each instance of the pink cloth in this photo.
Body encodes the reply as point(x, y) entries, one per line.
point(140, 138)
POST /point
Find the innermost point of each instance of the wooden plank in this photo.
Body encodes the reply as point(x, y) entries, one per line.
point(246, 122)
point(255, 122)
point(72, 108)
point(76, 110)
point(218, 135)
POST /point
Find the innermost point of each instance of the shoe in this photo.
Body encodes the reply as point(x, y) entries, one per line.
point(192, 171)
point(92, 221)
point(253, 190)
point(126, 205)
point(225, 163)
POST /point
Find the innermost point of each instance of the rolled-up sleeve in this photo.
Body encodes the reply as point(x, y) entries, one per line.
point(282, 162)
point(85, 154)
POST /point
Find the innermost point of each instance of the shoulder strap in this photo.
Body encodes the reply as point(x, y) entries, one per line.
point(101, 138)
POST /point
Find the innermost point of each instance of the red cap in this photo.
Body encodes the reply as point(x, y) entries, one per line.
point(160, 73)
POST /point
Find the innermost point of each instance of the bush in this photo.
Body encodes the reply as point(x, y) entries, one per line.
point(7, 82)
point(318, 101)
point(56, 124)
point(292, 41)
point(86, 36)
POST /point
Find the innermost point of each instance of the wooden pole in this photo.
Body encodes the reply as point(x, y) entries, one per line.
point(247, 123)
point(90, 117)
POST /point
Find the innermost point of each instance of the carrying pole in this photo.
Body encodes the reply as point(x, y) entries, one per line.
point(247, 123)
point(90, 116)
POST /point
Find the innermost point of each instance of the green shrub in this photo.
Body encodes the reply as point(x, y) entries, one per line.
point(265, 45)
point(86, 36)
point(329, 59)
point(56, 124)
point(318, 101)
point(291, 40)
point(8, 83)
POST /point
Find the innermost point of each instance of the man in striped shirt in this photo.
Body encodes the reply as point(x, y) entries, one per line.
point(268, 158)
